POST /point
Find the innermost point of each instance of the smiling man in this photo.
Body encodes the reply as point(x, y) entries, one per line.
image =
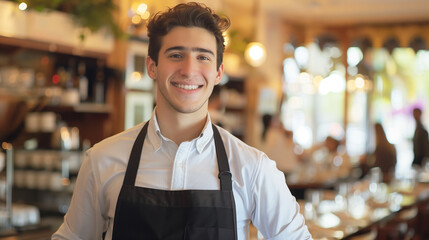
point(185, 71)
point(178, 176)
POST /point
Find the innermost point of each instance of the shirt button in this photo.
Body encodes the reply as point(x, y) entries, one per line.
point(180, 165)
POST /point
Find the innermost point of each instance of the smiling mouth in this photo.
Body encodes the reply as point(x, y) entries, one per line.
point(186, 87)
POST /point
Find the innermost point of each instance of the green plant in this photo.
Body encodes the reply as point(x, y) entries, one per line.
point(238, 42)
point(91, 14)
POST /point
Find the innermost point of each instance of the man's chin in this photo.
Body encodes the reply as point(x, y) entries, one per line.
point(188, 110)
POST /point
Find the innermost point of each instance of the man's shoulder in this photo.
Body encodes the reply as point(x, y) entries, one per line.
point(238, 147)
point(118, 142)
point(227, 136)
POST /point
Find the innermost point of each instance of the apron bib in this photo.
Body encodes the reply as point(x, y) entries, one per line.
point(144, 213)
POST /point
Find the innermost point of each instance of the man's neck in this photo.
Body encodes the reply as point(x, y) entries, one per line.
point(181, 127)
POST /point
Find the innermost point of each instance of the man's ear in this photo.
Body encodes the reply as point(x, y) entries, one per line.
point(219, 74)
point(151, 68)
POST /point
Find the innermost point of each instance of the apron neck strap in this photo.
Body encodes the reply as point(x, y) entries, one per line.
point(222, 162)
point(134, 161)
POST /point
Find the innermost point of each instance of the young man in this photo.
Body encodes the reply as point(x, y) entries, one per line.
point(178, 176)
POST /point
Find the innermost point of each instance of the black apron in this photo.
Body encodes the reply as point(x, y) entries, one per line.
point(144, 213)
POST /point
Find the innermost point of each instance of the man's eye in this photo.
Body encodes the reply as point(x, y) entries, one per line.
point(204, 58)
point(176, 55)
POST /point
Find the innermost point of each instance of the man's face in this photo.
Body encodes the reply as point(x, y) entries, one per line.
point(186, 72)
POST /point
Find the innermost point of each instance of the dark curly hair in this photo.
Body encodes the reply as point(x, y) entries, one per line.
point(186, 15)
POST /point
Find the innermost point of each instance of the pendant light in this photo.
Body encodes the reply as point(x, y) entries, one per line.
point(255, 53)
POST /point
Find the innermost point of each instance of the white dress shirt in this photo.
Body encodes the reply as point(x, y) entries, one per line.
point(259, 189)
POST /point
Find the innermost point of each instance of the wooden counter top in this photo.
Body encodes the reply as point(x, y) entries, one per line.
point(44, 231)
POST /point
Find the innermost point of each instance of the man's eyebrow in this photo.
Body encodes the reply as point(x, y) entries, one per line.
point(196, 49)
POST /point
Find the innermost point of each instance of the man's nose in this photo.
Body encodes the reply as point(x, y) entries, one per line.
point(188, 66)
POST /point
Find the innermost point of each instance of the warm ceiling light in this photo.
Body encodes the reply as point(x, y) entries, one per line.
point(359, 82)
point(136, 19)
point(255, 54)
point(136, 76)
point(22, 6)
point(141, 9)
point(145, 15)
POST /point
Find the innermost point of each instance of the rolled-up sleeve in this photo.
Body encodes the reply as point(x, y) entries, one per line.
point(276, 212)
point(83, 219)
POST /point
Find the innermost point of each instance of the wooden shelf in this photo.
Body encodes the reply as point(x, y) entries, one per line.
point(9, 42)
point(97, 108)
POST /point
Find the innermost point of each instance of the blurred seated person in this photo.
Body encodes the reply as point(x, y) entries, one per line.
point(277, 143)
point(384, 155)
point(420, 139)
point(329, 156)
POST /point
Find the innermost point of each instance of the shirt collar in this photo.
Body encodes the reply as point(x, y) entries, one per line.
point(154, 133)
point(205, 136)
point(155, 137)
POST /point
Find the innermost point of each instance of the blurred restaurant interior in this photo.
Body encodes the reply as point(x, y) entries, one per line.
point(322, 71)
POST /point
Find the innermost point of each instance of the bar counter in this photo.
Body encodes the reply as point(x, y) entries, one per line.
point(43, 231)
point(367, 217)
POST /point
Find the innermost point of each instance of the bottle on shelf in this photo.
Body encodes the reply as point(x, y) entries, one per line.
point(70, 95)
point(70, 75)
point(99, 83)
point(83, 82)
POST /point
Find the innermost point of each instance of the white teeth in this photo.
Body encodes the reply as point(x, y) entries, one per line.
point(187, 87)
